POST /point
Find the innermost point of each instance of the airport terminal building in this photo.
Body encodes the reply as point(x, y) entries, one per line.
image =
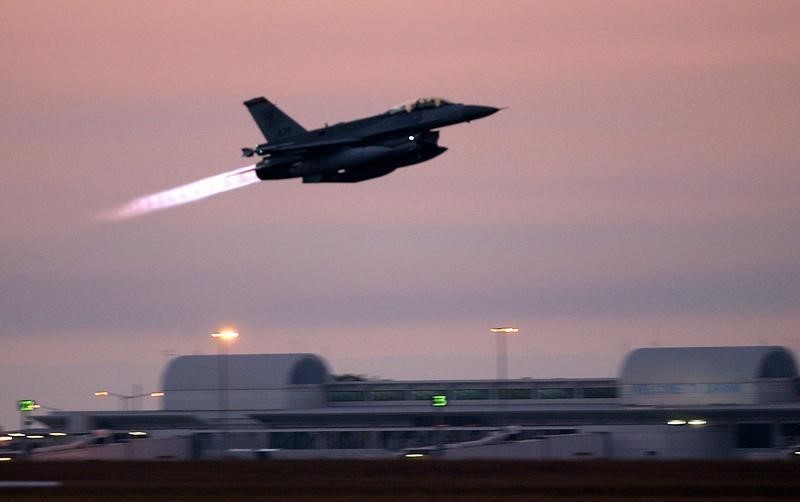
point(693, 402)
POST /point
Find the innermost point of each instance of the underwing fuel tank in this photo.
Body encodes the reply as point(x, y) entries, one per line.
point(416, 155)
point(351, 158)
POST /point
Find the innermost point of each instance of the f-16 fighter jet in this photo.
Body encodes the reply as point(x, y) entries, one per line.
point(358, 150)
point(347, 152)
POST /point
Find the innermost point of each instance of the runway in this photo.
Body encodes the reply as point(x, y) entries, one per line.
point(407, 479)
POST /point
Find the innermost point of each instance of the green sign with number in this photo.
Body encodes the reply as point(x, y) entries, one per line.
point(26, 405)
point(439, 401)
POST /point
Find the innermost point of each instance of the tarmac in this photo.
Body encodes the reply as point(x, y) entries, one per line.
point(401, 479)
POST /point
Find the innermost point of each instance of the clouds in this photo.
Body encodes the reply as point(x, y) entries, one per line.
point(349, 274)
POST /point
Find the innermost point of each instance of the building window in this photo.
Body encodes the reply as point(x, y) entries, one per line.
point(515, 393)
point(471, 394)
point(426, 395)
point(387, 395)
point(346, 395)
point(599, 392)
point(754, 436)
point(557, 393)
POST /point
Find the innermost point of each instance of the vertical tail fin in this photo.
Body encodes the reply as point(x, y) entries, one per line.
point(273, 122)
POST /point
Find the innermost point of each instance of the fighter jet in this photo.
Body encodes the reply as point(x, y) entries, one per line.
point(358, 150)
point(347, 152)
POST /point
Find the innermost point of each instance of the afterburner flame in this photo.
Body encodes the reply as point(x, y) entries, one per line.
point(185, 194)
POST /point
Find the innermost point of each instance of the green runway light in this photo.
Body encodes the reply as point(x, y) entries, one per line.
point(439, 401)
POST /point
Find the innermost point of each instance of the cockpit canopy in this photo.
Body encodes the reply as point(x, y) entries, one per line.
point(408, 106)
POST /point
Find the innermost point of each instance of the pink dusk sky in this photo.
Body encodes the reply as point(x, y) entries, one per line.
point(640, 189)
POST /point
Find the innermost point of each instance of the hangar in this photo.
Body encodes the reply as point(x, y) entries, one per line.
point(682, 402)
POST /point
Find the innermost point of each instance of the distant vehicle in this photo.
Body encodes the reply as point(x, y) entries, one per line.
point(358, 150)
point(94, 438)
point(502, 435)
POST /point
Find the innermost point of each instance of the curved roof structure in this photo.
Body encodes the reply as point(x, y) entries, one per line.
point(245, 371)
point(707, 365)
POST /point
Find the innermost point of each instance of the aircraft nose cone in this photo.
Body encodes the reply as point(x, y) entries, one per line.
point(472, 112)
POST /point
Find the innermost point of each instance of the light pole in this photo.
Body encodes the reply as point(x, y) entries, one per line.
point(125, 398)
point(223, 338)
point(502, 350)
point(502, 367)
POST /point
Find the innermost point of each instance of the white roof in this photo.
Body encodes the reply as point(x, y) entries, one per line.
point(706, 365)
point(245, 371)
